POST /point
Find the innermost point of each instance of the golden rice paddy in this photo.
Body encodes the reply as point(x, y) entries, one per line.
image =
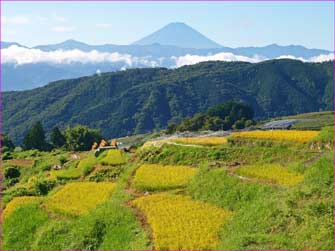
point(289, 135)
point(158, 177)
point(206, 141)
point(273, 173)
point(179, 223)
point(79, 197)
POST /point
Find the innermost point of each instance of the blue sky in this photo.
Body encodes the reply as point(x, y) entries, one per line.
point(231, 24)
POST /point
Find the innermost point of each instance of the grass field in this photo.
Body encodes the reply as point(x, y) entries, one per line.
point(17, 202)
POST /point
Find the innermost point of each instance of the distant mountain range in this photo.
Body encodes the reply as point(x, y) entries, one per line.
point(141, 100)
point(174, 45)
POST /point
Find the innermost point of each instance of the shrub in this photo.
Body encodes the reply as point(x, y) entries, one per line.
point(42, 187)
point(12, 172)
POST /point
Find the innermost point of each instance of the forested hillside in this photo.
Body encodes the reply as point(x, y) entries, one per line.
point(140, 100)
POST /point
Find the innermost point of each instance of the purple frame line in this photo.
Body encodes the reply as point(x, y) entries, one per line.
point(158, 1)
point(334, 117)
point(0, 127)
point(263, 1)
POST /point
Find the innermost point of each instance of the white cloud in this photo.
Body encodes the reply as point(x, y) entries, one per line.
point(322, 58)
point(222, 56)
point(316, 59)
point(63, 28)
point(20, 55)
point(194, 59)
point(103, 26)
point(15, 20)
point(291, 57)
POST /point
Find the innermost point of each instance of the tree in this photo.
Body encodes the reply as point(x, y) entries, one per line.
point(35, 138)
point(57, 138)
point(223, 116)
point(6, 143)
point(81, 138)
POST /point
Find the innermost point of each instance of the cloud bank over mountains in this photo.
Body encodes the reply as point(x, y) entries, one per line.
point(21, 55)
point(172, 46)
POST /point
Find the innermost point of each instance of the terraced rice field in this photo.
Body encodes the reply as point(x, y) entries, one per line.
point(18, 201)
point(273, 173)
point(113, 157)
point(155, 143)
point(289, 135)
point(159, 177)
point(206, 141)
point(78, 198)
point(73, 172)
point(179, 223)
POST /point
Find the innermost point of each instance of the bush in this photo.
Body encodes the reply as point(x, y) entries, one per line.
point(63, 160)
point(42, 187)
point(12, 172)
point(6, 143)
point(6, 155)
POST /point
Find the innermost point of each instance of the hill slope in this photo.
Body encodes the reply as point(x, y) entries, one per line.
point(140, 100)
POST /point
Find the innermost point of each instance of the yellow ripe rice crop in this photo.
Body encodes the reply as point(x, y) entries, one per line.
point(289, 135)
point(273, 173)
point(79, 197)
point(179, 223)
point(206, 141)
point(158, 177)
point(113, 157)
point(155, 143)
point(18, 201)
